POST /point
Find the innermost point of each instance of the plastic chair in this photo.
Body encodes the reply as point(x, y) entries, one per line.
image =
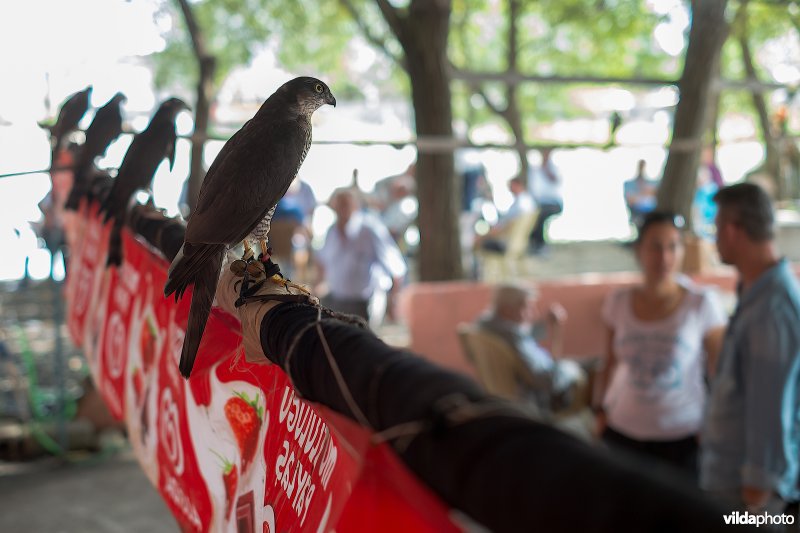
point(497, 266)
point(498, 366)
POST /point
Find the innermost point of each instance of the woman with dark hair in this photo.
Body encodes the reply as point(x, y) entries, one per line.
point(664, 334)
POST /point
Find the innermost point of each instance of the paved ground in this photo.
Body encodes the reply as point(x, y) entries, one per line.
point(108, 495)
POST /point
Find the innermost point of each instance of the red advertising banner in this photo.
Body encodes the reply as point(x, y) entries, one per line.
point(234, 448)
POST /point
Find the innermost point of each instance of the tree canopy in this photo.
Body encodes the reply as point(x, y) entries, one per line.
point(622, 39)
point(556, 37)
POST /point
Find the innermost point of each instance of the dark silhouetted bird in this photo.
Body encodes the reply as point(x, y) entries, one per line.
point(71, 112)
point(106, 126)
point(239, 194)
point(138, 167)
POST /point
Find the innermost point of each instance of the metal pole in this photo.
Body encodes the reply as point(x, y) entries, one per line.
point(60, 370)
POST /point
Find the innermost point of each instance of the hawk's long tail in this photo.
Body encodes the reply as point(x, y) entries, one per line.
point(199, 264)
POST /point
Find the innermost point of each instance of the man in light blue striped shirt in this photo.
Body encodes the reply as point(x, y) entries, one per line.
point(751, 439)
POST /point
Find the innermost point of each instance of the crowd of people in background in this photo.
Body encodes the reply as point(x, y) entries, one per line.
point(680, 384)
point(683, 386)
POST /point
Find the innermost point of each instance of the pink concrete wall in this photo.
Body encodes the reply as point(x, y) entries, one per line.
point(433, 310)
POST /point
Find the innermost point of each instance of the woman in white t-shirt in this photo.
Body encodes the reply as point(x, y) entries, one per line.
point(664, 336)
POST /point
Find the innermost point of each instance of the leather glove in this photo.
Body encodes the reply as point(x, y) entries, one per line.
point(255, 305)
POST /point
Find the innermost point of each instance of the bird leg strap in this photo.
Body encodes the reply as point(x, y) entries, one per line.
point(249, 290)
point(256, 272)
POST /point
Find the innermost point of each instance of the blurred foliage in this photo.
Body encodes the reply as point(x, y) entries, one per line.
point(556, 37)
point(560, 37)
point(767, 21)
point(233, 31)
point(322, 36)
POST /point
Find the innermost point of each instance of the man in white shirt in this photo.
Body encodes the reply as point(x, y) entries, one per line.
point(359, 261)
point(545, 184)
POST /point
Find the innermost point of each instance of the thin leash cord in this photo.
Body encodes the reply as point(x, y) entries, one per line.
point(337, 373)
point(456, 409)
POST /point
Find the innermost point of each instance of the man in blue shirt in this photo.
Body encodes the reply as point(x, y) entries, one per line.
point(640, 195)
point(751, 439)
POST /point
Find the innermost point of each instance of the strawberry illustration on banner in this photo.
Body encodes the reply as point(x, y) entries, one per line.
point(230, 478)
point(234, 448)
point(244, 416)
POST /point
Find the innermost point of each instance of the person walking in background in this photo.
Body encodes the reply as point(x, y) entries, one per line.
point(663, 337)
point(545, 184)
point(401, 209)
point(640, 195)
point(381, 197)
point(704, 209)
point(359, 261)
point(472, 171)
point(709, 165)
point(291, 231)
point(751, 439)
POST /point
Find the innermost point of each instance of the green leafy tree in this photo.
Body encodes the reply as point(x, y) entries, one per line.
point(566, 38)
point(208, 38)
point(422, 42)
point(707, 35)
point(756, 24)
point(413, 37)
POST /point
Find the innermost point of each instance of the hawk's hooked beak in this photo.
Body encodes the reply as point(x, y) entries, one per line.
point(330, 100)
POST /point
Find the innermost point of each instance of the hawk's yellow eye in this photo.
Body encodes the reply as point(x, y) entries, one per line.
point(318, 87)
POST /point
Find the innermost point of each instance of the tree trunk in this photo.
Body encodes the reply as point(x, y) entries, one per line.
point(514, 119)
point(206, 64)
point(423, 34)
point(714, 98)
point(512, 114)
point(708, 33)
point(202, 111)
point(771, 165)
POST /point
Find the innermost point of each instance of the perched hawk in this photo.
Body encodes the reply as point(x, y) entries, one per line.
point(239, 194)
point(140, 163)
point(105, 127)
point(71, 112)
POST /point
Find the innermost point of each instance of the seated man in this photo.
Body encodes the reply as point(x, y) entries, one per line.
point(551, 384)
point(523, 204)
